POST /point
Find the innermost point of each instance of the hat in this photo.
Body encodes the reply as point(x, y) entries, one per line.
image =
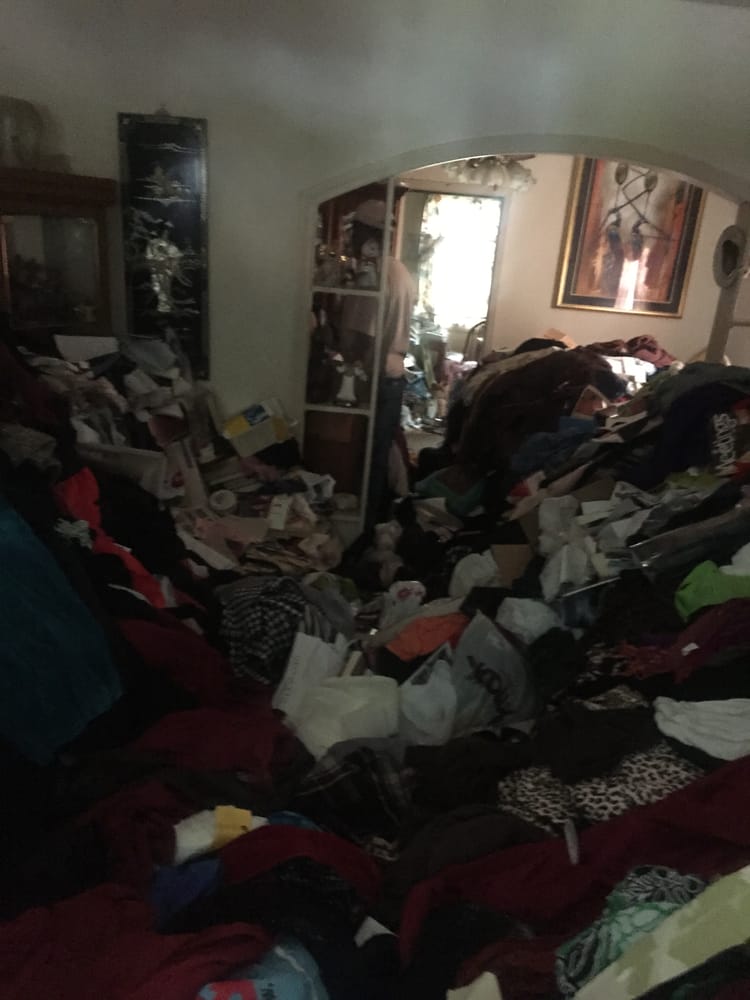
point(371, 213)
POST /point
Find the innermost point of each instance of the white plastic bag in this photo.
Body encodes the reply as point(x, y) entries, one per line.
point(400, 601)
point(526, 619)
point(556, 523)
point(345, 708)
point(492, 683)
point(311, 661)
point(474, 570)
point(428, 703)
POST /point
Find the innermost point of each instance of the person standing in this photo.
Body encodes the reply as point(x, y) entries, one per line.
point(358, 329)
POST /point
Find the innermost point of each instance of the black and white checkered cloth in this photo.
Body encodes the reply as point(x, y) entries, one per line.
point(259, 622)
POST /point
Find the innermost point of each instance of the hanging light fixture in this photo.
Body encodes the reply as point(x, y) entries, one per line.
point(501, 173)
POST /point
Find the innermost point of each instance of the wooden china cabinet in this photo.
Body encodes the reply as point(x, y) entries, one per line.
point(54, 274)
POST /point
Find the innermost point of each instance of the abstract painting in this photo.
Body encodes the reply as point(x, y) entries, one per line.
point(629, 239)
point(163, 172)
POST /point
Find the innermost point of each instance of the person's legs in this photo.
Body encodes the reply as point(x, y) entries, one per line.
point(387, 420)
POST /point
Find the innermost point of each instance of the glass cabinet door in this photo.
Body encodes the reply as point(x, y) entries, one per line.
point(51, 272)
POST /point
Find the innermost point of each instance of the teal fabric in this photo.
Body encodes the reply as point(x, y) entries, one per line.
point(706, 585)
point(459, 504)
point(636, 906)
point(56, 672)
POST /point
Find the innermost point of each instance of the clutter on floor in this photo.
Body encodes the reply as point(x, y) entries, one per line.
point(501, 750)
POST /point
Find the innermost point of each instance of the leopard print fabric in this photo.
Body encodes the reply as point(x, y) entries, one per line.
point(640, 778)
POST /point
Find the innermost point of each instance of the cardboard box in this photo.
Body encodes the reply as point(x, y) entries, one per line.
point(553, 334)
point(511, 561)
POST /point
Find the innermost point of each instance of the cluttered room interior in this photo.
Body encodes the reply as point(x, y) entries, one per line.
point(427, 679)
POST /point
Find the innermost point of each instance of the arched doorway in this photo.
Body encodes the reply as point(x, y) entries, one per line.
point(522, 304)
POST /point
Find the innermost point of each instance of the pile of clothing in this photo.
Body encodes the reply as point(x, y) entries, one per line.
point(505, 753)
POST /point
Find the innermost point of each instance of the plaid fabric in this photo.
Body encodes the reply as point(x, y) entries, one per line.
point(259, 623)
point(315, 623)
point(362, 796)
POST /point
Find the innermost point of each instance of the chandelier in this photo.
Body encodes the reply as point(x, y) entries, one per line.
point(498, 172)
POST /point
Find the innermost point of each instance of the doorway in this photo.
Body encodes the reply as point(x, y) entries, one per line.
point(449, 244)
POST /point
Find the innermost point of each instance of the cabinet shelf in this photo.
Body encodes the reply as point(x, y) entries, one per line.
point(361, 411)
point(346, 516)
point(338, 439)
point(364, 293)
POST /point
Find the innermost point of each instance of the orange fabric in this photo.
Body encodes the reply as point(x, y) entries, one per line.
point(424, 635)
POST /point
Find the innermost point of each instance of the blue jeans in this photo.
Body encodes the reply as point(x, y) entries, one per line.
point(387, 421)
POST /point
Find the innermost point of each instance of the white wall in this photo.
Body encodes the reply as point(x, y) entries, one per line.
point(534, 232)
point(304, 99)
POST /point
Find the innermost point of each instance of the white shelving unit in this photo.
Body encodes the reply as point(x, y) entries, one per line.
point(349, 430)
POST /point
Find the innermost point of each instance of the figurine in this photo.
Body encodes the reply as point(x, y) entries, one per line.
point(350, 374)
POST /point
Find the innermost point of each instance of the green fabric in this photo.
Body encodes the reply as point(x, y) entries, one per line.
point(636, 906)
point(716, 920)
point(458, 504)
point(707, 585)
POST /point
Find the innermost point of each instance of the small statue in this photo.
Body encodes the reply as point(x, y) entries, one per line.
point(350, 375)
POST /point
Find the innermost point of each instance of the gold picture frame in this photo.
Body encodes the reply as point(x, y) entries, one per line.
point(630, 236)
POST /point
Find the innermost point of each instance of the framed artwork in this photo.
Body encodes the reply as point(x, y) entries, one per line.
point(629, 239)
point(163, 173)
